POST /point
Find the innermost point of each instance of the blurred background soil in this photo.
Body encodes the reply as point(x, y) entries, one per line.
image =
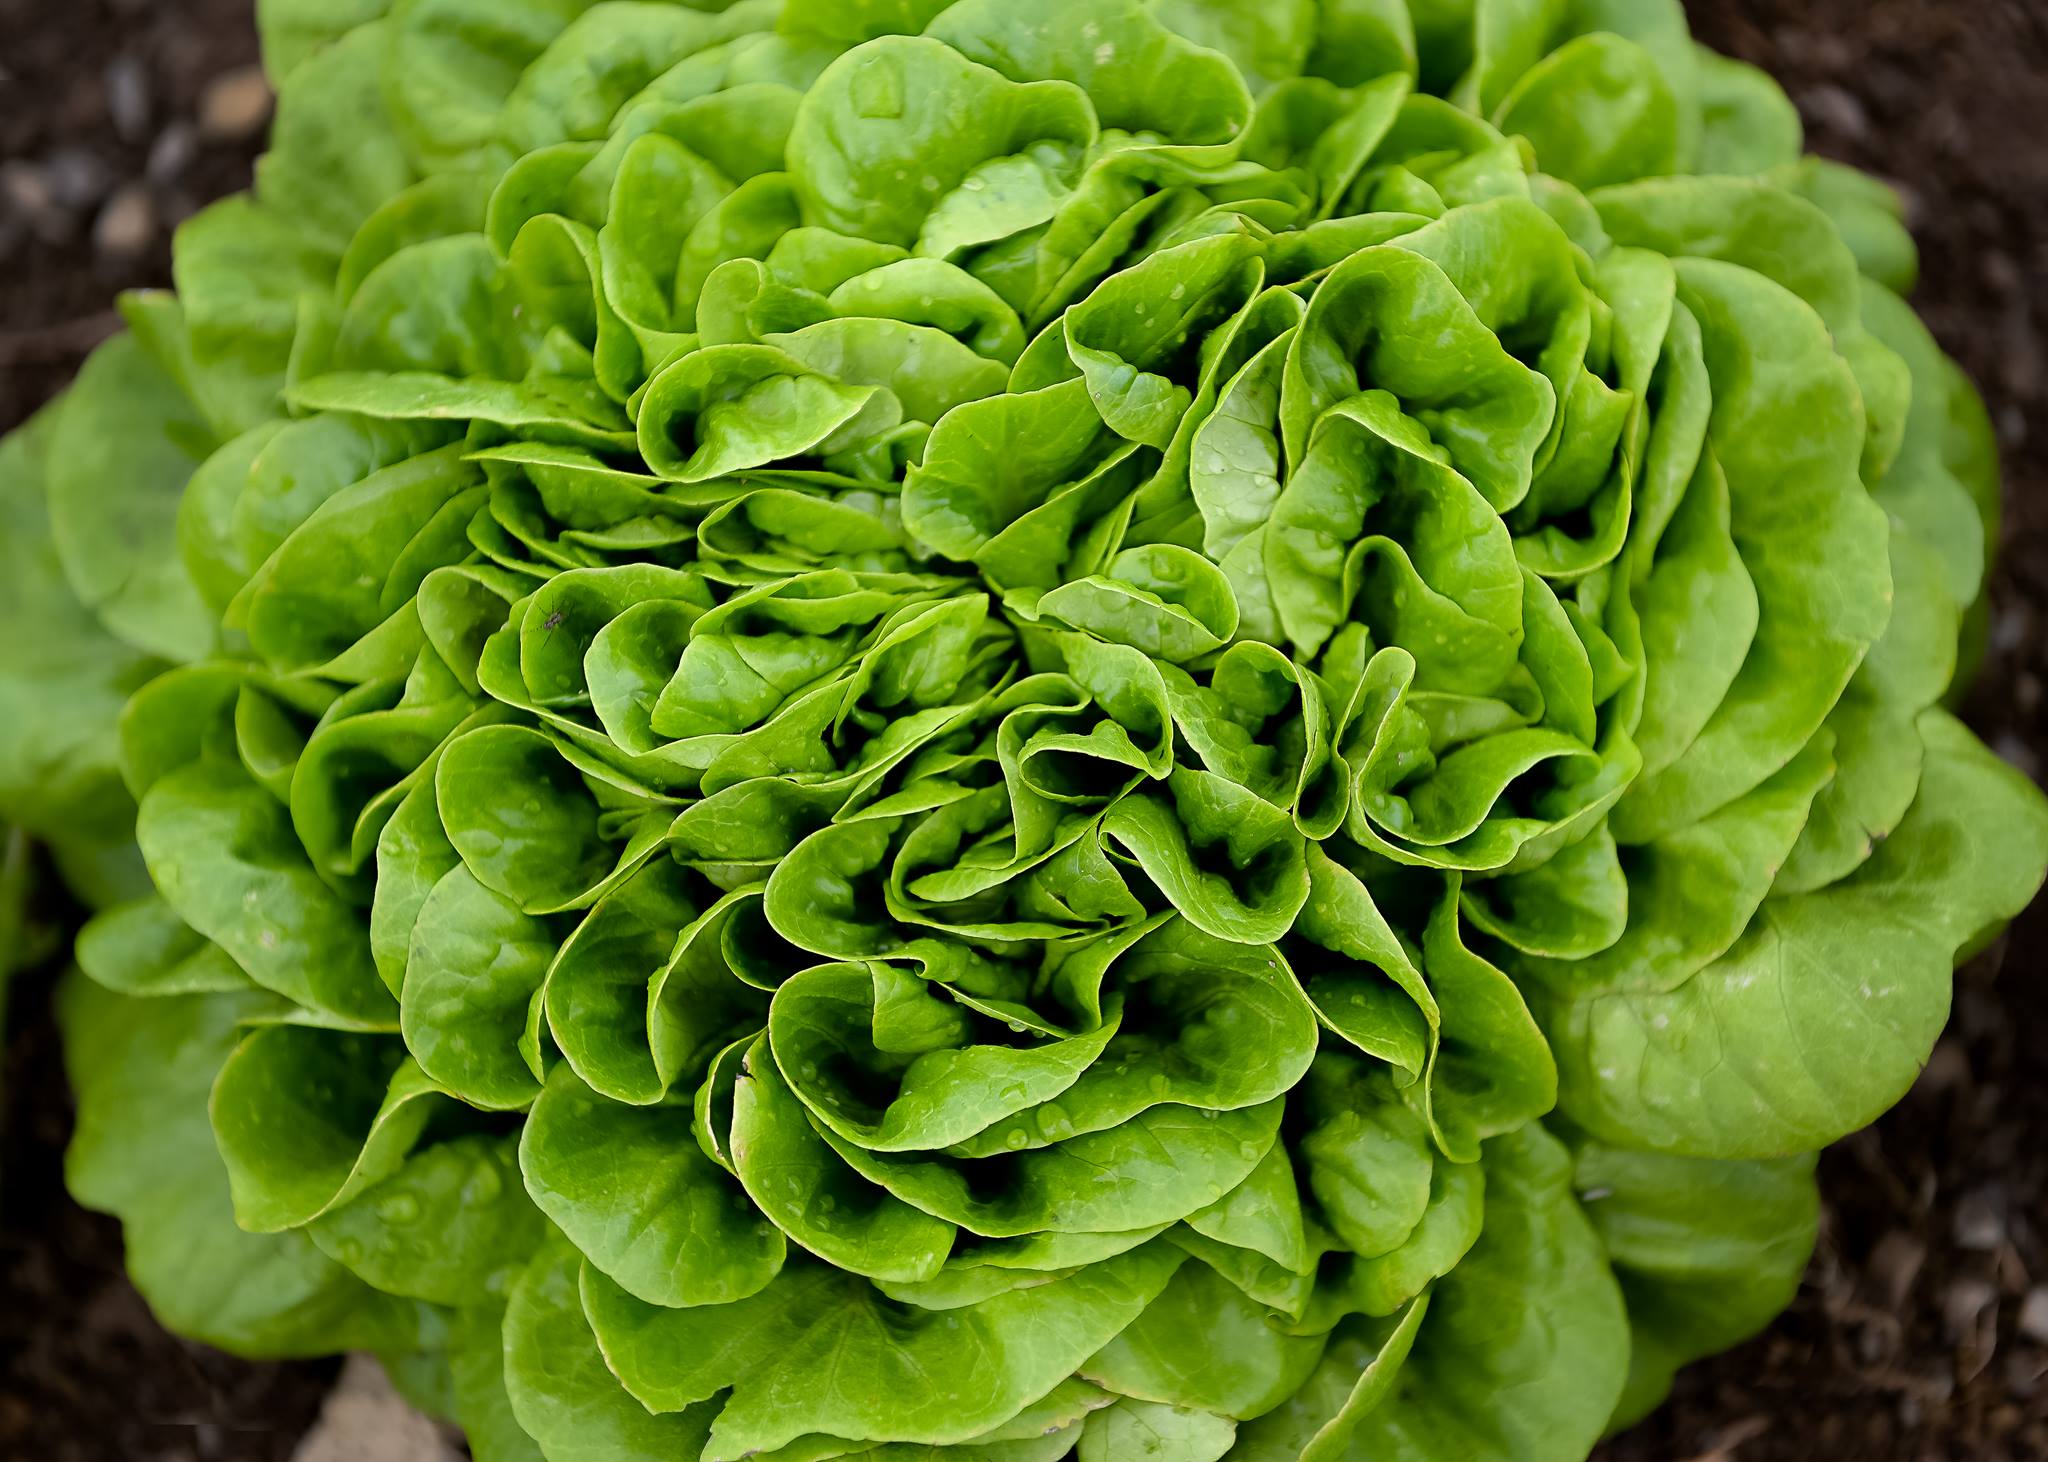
point(1921, 1333)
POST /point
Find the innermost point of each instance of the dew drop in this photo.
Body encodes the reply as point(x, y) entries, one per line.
point(1016, 1141)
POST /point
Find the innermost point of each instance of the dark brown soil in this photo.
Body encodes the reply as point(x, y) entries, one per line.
point(1906, 1344)
point(107, 142)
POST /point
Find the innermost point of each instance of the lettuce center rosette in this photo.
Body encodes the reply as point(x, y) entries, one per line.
point(1009, 730)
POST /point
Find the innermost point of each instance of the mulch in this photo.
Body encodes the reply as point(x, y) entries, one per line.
point(1921, 1332)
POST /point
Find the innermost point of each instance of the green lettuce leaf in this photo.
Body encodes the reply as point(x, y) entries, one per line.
point(990, 733)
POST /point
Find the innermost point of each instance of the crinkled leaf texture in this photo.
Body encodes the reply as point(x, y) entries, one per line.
point(1006, 731)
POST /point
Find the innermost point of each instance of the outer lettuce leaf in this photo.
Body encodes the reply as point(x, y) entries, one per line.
point(123, 446)
point(1541, 1384)
point(1696, 1284)
point(814, 1325)
point(145, 1152)
point(1824, 1010)
point(63, 686)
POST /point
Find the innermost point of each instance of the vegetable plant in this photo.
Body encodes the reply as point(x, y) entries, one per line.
point(998, 731)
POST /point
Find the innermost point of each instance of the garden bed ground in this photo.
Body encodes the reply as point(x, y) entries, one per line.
point(1921, 1334)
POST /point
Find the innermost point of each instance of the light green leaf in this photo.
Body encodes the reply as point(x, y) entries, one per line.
point(144, 1151)
point(1707, 1252)
point(1147, 1429)
point(561, 1389)
point(124, 443)
point(630, 1189)
point(1821, 1014)
point(819, 1352)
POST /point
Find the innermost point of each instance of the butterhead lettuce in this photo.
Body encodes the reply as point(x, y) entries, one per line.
point(1005, 731)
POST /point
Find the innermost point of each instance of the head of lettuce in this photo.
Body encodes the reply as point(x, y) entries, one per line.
point(1006, 731)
